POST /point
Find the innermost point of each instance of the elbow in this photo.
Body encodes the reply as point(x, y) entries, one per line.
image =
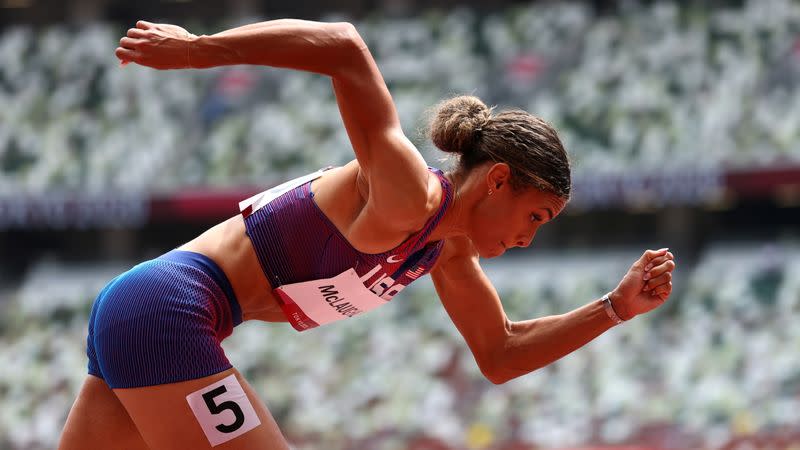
point(351, 48)
point(501, 375)
point(347, 31)
point(498, 363)
point(492, 362)
point(495, 377)
point(496, 374)
point(495, 370)
point(348, 38)
point(492, 367)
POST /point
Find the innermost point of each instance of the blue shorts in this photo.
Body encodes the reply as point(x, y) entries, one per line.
point(162, 322)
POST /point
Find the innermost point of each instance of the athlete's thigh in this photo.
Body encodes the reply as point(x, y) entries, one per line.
point(220, 410)
point(98, 420)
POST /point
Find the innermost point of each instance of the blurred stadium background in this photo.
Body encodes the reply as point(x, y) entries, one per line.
point(682, 120)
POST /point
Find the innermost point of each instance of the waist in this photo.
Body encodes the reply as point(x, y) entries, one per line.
point(228, 245)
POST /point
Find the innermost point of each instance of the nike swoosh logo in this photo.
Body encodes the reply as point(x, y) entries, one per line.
point(391, 259)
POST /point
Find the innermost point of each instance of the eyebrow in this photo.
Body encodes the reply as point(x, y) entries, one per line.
point(551, 213)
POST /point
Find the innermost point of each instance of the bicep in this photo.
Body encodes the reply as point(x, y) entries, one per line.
point(396, 171)
point(472, 303)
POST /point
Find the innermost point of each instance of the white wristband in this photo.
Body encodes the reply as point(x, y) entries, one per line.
point(610, 310)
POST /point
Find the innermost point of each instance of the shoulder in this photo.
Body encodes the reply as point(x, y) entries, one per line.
point(438, 198)
point(439, 192)
point(406, 206)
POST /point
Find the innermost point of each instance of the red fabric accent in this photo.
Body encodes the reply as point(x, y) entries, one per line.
point(299, 320)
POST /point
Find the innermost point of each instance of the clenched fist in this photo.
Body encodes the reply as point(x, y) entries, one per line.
point(157, 45)
point(646, 286)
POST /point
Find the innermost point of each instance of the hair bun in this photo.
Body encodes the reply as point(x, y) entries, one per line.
point(456, 122)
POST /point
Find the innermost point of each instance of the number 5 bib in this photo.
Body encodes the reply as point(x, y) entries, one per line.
point(223, 410)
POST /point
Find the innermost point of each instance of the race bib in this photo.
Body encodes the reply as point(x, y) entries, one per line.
point(312, 303)
point(223, 410)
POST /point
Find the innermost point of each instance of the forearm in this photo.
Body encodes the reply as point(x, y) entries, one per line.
point(533, 344)
point(296, 44)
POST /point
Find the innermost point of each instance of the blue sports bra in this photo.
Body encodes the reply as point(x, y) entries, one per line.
point(317, 275)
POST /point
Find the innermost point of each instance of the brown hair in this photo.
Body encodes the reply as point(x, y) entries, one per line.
point(529, 145)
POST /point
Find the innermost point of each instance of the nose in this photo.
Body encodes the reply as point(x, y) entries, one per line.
point(524, 242)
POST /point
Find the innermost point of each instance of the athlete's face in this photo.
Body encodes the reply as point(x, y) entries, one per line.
point(507, 218)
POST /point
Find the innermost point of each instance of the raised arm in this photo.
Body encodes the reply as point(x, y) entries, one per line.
point(396, 172)
point(319, 47)
point(504, 349)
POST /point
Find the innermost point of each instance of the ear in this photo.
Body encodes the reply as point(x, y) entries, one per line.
point(497, 176)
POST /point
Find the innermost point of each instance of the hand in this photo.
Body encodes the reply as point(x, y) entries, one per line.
point(646, 286)
point(157, 45)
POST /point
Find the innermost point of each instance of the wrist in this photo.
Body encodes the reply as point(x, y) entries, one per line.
point(206, 51)
point(192, 56)
point(613, 312)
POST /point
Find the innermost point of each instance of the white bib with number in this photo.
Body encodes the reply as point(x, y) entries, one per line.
point(223, 410)
point(330, 299)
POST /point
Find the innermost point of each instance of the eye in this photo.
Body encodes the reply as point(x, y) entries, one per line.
point(535, 218)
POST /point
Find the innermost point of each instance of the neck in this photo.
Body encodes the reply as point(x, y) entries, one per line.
point(454, 221)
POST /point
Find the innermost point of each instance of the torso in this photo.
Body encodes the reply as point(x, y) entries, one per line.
point(341, 194)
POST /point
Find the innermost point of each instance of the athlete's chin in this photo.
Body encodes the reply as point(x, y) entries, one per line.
point(492, 251)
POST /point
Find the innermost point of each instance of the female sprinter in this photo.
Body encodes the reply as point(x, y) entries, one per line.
point(328, 246)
